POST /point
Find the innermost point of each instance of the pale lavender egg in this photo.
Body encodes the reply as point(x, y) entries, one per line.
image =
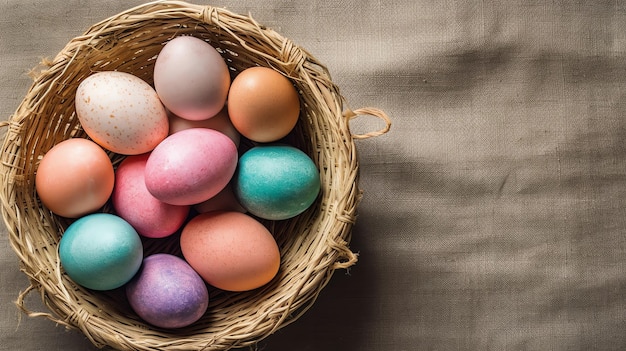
point(167, 292)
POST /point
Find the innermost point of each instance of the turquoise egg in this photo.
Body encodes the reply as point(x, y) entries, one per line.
point(276, 182)
point(100, 251)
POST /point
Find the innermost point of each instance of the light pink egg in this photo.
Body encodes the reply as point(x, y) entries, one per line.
point(121, 112)
point(133, 202)
point(191, 78)
point(191, 166)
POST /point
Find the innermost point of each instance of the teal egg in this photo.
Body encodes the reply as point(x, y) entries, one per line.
point(276, 182)
point(100, 251)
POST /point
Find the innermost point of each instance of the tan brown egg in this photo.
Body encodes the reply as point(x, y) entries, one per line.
point(263, 104)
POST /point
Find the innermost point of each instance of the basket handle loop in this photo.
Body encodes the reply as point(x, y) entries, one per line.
point(21, 304)
point(371, 111)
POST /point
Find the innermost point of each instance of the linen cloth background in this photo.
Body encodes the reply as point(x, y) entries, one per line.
point(494, 210)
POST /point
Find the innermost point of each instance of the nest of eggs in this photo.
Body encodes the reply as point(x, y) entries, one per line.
point(313, 244)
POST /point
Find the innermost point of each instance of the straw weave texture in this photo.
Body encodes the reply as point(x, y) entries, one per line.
point(313, 245)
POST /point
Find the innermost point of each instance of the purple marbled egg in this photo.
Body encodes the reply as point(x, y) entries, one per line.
point(167, 292)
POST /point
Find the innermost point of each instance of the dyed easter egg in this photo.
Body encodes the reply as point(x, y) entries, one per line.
point(190, 166)
point(263, 104)
point(121, 112)
point(75, 178)
point(100, 251)
point(167, 292)
point(230, 250)
point(191, 78)
point(276, 182)
point(133, 202)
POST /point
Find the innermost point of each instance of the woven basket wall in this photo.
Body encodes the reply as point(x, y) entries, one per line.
point(313, 245)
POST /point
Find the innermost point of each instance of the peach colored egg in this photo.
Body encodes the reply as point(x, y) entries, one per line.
point(121, 112)
point(191, 166)
point(263, 105)
point(133, 202)
point(74, 178)
point(230, 250)
point(220, 122)
point(191, 78)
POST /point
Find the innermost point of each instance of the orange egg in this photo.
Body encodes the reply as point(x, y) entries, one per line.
point(263, 105)
point(74, 178)
point(230, 250)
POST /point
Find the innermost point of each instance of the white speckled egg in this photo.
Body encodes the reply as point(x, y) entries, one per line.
point(121, 112)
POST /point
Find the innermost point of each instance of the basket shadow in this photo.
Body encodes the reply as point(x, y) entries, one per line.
point(337, 320)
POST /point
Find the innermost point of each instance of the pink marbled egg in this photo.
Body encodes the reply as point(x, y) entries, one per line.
point(133, 202)
point(191, 166)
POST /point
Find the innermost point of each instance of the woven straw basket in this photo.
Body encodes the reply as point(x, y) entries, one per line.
point(313, 244)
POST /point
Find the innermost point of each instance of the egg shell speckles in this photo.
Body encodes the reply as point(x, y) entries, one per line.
point(191, 166)
point(167, 292)
point(132, 201)
point(121, 112)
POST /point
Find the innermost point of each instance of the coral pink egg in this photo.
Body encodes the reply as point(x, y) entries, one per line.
point(133, 202)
